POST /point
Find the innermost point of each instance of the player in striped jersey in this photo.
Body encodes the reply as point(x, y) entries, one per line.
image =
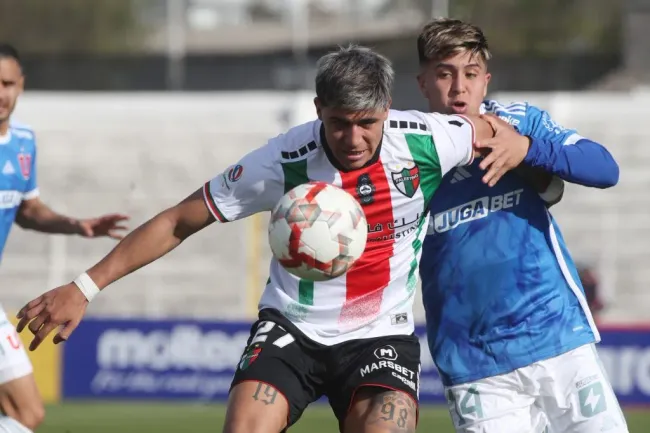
point(20, 400)
point(507, 320)
point(351, 338)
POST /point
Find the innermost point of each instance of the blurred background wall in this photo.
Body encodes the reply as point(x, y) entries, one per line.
point(272, 44)
point(244, 70)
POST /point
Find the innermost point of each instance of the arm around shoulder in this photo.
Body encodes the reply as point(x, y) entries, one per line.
point(567, 154)
point(584, 162)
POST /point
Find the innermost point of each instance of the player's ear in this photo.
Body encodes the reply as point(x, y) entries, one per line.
point(319, 108)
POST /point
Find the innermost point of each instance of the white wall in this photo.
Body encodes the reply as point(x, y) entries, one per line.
point(139, 153)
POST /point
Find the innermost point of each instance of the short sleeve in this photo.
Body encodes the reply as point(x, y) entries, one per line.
point(252, 185)
point(453, 137)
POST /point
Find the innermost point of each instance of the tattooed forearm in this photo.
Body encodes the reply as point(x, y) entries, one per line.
point(395, 408)
point(265, 393)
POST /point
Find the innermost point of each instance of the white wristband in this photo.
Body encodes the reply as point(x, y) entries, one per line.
point(87, 286)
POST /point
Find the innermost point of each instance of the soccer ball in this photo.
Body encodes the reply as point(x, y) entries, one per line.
point(317, 231)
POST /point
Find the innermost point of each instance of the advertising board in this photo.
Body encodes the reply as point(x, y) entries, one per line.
point(170, 359)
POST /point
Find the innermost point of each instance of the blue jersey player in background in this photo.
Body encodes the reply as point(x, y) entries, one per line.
point(20, 401)
point(507, 319)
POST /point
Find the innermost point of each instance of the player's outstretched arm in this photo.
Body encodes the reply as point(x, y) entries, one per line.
point(253, 185)
point(565, 153)
point(33, 214)
point(584, 162)
point(66, 305)
point(153, 239)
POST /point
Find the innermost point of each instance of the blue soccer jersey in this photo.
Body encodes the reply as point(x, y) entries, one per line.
point(18, 175)
point(499, 287)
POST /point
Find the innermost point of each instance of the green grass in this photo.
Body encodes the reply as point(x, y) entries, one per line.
point(198, 418)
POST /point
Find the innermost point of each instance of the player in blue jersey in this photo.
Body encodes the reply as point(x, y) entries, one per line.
point(20, 400)
point(507, 319)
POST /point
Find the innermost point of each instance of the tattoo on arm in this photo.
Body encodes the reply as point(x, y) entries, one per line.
point(395, 408)
point(265, 393)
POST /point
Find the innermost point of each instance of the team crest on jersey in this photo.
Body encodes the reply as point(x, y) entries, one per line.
point(407, 179)
point(25, 162)
point(365, 189)
point(249, 357)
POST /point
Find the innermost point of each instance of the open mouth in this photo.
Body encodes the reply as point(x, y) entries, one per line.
point(354, 155)
point(459, 107)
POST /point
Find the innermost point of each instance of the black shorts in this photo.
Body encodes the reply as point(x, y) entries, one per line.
point(278, 354)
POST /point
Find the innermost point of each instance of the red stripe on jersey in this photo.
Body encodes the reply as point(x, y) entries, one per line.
point(212, 206)
point(370, 275)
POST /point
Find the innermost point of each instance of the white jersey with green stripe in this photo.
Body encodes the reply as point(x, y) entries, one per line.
point(375, 297)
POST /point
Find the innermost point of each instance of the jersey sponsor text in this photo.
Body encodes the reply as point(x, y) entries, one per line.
point(475, 209)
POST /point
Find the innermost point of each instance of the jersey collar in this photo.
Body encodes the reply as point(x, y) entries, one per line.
point(5, 139)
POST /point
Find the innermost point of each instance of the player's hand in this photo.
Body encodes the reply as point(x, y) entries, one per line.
point(507, 149)
point(61, 307)
point(106, 225)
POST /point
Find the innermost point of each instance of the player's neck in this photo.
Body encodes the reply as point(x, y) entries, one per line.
point(4, 127)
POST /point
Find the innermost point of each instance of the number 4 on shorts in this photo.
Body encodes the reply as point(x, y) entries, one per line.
point(470, 403)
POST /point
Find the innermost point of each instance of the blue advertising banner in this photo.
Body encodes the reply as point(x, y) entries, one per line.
point(139, 359)
point(172, 359)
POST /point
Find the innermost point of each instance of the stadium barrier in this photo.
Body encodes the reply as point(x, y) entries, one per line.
point(169, 359)
point(195, 360)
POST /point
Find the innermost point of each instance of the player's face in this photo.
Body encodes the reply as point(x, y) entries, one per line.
point(11, 86)
point(353, 136)
point(455, 85)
